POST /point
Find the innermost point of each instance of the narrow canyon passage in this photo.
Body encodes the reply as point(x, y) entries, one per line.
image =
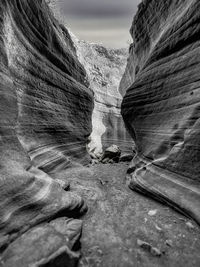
point(64, 102)
point(118, 218)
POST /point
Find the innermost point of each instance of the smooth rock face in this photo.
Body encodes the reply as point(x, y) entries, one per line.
point(45, 121)
point(129, 75)
point(161, 108)
point(54, 119)
point(105, 68)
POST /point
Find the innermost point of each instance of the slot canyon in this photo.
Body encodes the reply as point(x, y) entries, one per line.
point(100, 147)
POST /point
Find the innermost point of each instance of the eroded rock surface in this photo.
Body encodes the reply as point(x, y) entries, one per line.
point(54, 119)
point(162, 107)
point(45, 121)
point(45, 245)
point(105, 68)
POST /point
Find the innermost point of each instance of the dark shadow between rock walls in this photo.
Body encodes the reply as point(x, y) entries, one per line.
point(161, 108)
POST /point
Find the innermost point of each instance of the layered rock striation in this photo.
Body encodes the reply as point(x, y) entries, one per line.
point(104, 68)
point(54, 121)
point(161, 108)
point(45, 122)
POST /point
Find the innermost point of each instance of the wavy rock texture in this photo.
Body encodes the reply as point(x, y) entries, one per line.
point(55, 106)
point(105, 68)
point(128, 76)
point(45, 110)
point(162, 107)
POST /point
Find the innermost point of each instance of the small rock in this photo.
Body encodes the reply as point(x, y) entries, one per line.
point(92, 155)
point(102, 182)
point(190, 225)
point(94, 162)
point(143, 244)
point(104, 83)
point(64, 184)
point(158, 228)
point(126, 157)
point(156, 252)
point(131, 169)
point(152, 212)
point(105, 160)
point(146, 246)
point(100, 252)
point(168, 243)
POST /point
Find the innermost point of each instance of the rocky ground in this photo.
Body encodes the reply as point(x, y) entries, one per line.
point(123, 228)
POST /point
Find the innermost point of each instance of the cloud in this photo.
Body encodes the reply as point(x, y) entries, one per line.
point(98, 8)
point(100, 21)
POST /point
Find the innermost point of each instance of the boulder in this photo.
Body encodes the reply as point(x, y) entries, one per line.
point(52, 245)
point(111, 153)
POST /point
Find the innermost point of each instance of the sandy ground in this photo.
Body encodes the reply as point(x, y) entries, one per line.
point(118, 219)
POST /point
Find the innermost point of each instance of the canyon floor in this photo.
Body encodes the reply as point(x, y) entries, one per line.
point(118, 220)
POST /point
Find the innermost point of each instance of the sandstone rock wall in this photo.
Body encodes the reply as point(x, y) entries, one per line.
point(128, 76)
point(45, 121)
point(161, 108)
point(55, 106)
point(105, 68)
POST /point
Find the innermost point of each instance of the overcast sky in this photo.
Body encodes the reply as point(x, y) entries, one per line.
point(100, 21)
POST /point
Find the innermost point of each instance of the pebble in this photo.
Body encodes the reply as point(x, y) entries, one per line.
point(190, 225)
point(158, 228)
point(146, 246)
point(168, 243)
point(152, 212)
